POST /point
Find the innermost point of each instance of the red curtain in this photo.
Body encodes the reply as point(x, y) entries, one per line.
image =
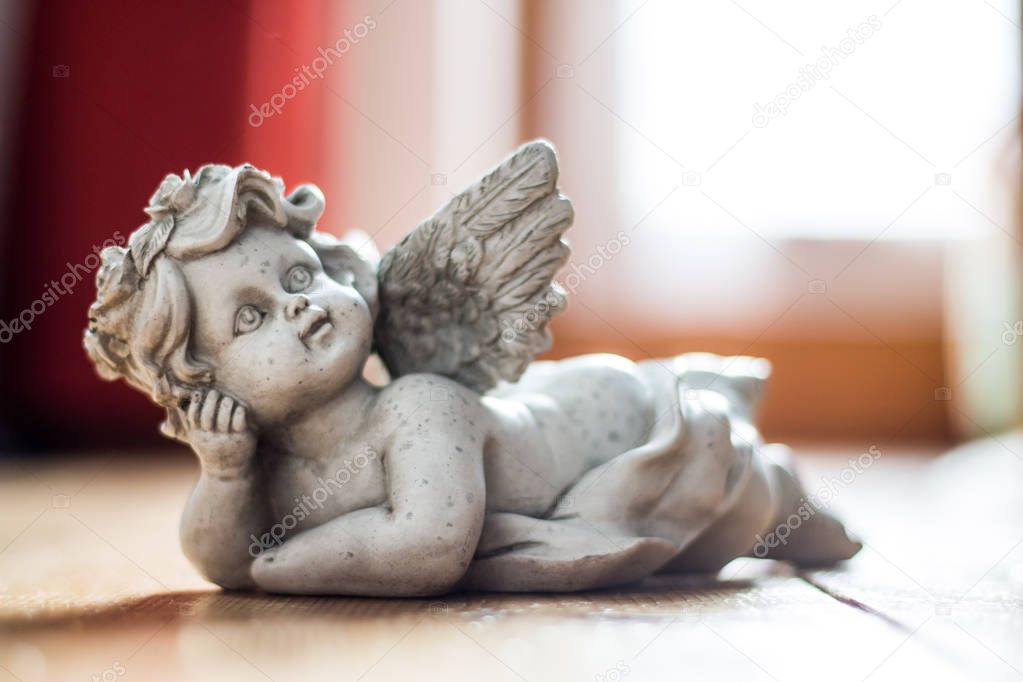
point(116, 95)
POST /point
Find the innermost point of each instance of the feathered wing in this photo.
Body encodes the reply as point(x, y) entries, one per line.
point(469, 292)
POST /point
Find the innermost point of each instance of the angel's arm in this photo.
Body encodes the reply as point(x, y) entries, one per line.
point(524, 554)
point(422, 540)
point(227, 511)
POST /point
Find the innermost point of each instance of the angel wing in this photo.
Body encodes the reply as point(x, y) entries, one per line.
point(469, 292)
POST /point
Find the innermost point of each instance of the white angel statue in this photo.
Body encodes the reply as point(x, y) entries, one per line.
point(473, 467)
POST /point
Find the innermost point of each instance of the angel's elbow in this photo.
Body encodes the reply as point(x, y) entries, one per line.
point(439, 575)
point(434, 564)
point(230, 572)
point(422, 577)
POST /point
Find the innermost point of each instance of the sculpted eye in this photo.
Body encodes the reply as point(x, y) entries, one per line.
point(247, 320)
point(299, 278)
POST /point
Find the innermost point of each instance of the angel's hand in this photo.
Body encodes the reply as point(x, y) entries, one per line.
point(219, 433)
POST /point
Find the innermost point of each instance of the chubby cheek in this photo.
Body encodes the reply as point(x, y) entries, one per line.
point(353, 326)
point(257, 366)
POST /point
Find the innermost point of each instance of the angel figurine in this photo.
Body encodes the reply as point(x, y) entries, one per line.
point(473, 467)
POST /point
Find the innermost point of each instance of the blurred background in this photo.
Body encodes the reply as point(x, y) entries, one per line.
point(831, 185)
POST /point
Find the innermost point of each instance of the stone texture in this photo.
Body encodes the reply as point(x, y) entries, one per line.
point(474, 467)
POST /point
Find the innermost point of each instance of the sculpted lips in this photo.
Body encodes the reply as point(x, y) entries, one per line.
point(317, 320)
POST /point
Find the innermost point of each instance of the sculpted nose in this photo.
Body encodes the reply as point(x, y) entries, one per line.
point(295, 305)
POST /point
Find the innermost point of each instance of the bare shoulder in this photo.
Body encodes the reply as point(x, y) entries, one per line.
point(429, 403)
point(434, 433)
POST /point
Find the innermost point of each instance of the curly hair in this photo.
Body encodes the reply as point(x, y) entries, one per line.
point(140, 324)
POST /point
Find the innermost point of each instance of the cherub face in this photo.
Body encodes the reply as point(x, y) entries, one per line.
point(279, 333)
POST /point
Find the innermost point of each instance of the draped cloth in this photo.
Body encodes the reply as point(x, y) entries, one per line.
point(625, 519)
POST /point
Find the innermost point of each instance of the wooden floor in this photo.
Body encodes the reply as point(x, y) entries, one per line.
point(93, 586)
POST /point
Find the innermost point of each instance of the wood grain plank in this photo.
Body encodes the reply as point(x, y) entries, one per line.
point(943, 553)
point(96, 583)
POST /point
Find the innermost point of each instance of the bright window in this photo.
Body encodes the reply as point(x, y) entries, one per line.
point(819, 120)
